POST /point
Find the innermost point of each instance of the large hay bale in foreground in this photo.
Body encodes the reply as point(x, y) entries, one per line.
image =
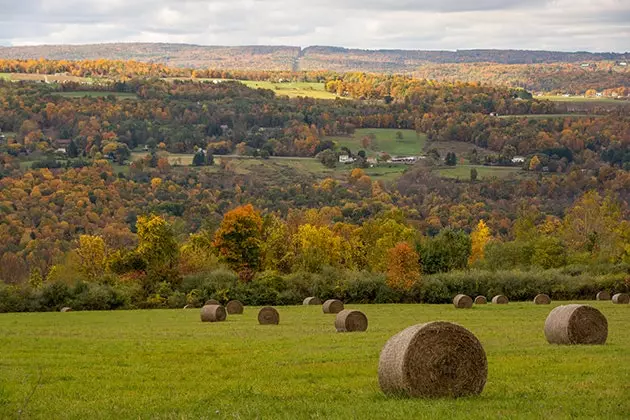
point(621, 299)
point(212, 302)
point(350, 320)
point(268, 316)
point(436, 359)
point(312, 301)
point(332, 306)
point(481, 300)
point(462, 301)
point(66, 309)
point(213, 313)
point(234, 307)
point(576, 324)
point(542, 299)
point(500, 300)
point(603, 295)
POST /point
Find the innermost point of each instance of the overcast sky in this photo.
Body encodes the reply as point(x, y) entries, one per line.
point(567, 25)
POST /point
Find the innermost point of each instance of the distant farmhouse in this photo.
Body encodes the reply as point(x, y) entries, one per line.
point(518, 159)
point(346, 159)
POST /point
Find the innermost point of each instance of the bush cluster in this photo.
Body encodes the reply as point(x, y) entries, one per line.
point(270, 288)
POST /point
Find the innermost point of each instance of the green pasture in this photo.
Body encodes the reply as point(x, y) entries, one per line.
point(293, 89)
point(602, 100)
point(166, 364)
point(384, 140)
point(463, 171)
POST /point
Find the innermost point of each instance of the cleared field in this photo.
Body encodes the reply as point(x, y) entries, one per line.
point(383, 140)
point(96, 94)
point(595, 100)
point(167, 364)
point(463, 171)
point(293, 89)
point(44, 77)
point(549, 116)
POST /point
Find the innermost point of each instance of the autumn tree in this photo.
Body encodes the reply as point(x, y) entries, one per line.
point(479, 238)
point(316, 247)
point(158, 248)
point(239, 240)
point(403, 269)
point(92, 257)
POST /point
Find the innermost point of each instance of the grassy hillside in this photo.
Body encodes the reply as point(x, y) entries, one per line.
point(383, 140)
point(167, 364)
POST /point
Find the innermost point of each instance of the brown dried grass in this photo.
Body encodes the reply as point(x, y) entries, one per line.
point(332, 306)
point(603, 295)
point(350, 320)
point(500, 300)
point(621, 299)
point(213, 313)
point(268, 316)
point(481, 300)
point(234, 307)
point(312, 301)
point(436, 359)
point(576, 324)
point(463, 301)
point(542, 299)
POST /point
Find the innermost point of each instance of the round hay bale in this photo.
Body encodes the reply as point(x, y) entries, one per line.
point(212, 302)
point(312, 301)
point(542, 299)
point(481, 300)
point(436, 359)
point(576, 324)
point(66, 309)
point(189, 306)
point(234, 307)
point(332, 306)
point(350, 320)
point(213, 313)
point(463, 302)
point(603, 295)
point(268, 316)
point(621, 299)
point(500, 300)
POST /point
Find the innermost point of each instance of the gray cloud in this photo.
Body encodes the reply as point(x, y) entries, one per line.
point(596, 25)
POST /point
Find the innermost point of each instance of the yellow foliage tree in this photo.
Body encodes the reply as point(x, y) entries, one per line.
point(92, 254)
point(316, 247)
point(480, 238)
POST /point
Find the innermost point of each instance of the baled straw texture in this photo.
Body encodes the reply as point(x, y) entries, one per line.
point(542, 299)
point(312, 301)
point(213, 313)
point(500, 300)
point(66, 309)
point(212, 302)
point(576, 324)
point(234, 307)
point(621, 299)
point(463, 302)
point(603, 295)
point(268, 316)
point(436, 359)
point(350, 320)
point(332, 306)
point(481, 300)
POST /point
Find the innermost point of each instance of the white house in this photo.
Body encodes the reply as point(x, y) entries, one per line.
point(518, 159)
point(346, 159)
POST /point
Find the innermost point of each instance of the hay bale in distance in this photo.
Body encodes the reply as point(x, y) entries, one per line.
point(268, 316)
point(189, 306)
point(212, 302)
point(500, 300)
point(350, 320)
point(436, 359)
point(542, 299)
point(332, 306)
point(463, 301)
point(312, 301)
point(576, 324)
point(621, 299)
point(213, 313)
point(603, 295)
point(66, 309)
point(481, 300)
point(234, 307)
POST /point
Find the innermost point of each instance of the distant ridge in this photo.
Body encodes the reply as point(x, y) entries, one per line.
point(295, 58)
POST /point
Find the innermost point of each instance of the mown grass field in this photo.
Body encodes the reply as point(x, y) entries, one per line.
point(44, 77)
point(463, 171)
point(385, 140)
point(96, 94)
point(601, 100)
point(293, 89)
point(166, 364)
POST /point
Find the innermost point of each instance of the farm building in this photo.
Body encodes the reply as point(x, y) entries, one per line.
point(346, 159)
point(518, 159)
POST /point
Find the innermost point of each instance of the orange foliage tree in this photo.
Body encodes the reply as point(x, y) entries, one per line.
point(403, 269)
